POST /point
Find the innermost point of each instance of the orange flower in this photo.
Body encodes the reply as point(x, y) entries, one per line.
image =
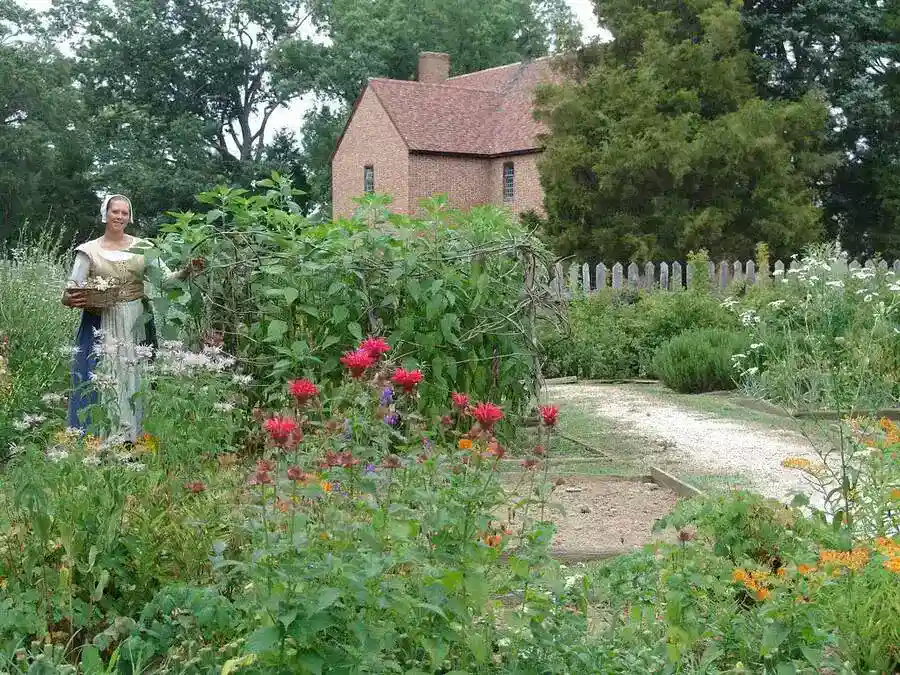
point(853, 560)
point(805, 569)
point(739, 575)
point(492, 540)
point(465, 444)
point(762, 594)
point(326, 486)
point(892, 565)
point(895, 494)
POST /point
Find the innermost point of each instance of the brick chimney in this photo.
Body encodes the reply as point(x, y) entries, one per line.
point(434, 67)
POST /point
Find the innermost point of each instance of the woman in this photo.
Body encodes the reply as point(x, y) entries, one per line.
point(116, 331)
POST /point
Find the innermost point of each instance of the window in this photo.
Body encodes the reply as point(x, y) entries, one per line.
point(509, 182)
point(369, 180)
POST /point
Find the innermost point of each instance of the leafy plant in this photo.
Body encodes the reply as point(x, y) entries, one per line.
point(699, 360)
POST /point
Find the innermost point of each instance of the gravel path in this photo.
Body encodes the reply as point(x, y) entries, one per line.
point(696, 442)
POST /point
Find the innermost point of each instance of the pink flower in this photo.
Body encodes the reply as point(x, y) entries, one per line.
point(375, 346)
point(460, 401)
point(358, 362)
point(195, 486)
point(408, 379)
point(487, 415)
point(549, 415)
point(302, 390)
point(283, 430)
point(296, 474)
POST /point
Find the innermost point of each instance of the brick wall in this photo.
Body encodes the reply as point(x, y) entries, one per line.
point(528, 195)
point(369, 140)
point(463, 179)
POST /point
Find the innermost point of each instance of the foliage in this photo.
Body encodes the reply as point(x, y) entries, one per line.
point(446, 291)
point(661, 145)
point(45, 143)
point(35, 349)
point(699, 360)
point(754, 586)
point(614, 335)
point(824, 337)
point(848, 51)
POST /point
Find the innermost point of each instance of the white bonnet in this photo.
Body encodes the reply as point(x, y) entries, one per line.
point(105, 206)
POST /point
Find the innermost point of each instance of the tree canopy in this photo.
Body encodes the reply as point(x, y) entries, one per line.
point(662, 144)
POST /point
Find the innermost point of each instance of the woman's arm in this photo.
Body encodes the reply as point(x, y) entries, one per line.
point(73, 296)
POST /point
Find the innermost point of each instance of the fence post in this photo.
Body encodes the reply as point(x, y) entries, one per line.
point(649, 275)
point(664, 276)
point(634, 276)
point(779, 269)
point(586, 278)
point(723, 275)
point(677, 277)
point(617, 276)
point(600, 274)
point(751, 273)
point(573, 280)
point(897, 267)
point(738, 275)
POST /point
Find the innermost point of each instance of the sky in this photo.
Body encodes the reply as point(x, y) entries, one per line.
point(290, 117)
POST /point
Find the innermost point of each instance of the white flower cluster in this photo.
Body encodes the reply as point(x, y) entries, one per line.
point(52, 398)
point(175, 359)
point(28, 422)
point(749, 318)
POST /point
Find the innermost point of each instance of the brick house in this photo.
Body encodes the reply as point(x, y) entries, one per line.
point(472, 137)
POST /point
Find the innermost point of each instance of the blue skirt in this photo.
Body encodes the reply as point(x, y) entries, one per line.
point(83, 394)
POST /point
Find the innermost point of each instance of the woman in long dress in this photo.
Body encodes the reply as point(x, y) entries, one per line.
point(113, 337)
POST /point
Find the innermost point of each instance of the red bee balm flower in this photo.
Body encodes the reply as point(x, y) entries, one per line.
point(487, 415)
point(302, 390)
point(408, 379)
point(549, 415)
point(282, 430)
point(460, 401)
point(358, 362)
point(195, 486)
point(376, 347)
point(296, 474)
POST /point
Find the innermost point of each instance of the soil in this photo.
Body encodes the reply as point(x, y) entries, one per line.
point(601, 516)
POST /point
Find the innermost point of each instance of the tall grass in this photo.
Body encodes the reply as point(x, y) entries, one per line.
point(37, 326)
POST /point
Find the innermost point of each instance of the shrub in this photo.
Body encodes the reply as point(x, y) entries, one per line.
point(699, 360)
point(289, 295)
point(615, 334)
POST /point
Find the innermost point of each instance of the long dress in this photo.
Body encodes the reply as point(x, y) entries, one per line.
point(108, 340)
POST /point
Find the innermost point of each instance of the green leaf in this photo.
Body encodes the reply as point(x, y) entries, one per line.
point(231, 665)
point(91, 662)
point(339, 313)
point(276, 330)
point(355, 329)
point(290, 294)
point(264, 639)
point(326, 597)
point(97, 595)
point(519, 567)
point(309, 310)
point(312, 662)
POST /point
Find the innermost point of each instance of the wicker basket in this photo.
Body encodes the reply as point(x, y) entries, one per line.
point(103, 299)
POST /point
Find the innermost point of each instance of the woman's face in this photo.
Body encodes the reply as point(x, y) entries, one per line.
point(117, 215)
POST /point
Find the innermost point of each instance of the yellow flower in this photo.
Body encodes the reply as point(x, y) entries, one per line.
point(739, 575)
point(465, 444)
point(796, 463)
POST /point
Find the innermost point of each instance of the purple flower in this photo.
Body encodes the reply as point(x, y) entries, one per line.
point(370, 468)
point(426, 442)
point(387, 396)
point(392, 420)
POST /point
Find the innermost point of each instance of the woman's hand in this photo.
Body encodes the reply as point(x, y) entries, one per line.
point(75, 298)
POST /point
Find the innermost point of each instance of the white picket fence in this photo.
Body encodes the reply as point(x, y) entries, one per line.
point(576, 278)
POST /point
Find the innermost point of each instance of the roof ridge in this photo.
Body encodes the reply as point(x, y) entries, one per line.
point(506, 65)
point(433, 84)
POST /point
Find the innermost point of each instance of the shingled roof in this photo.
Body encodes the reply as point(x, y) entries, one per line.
point(486, 113)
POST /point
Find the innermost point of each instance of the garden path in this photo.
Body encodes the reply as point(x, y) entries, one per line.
point(695, 443)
